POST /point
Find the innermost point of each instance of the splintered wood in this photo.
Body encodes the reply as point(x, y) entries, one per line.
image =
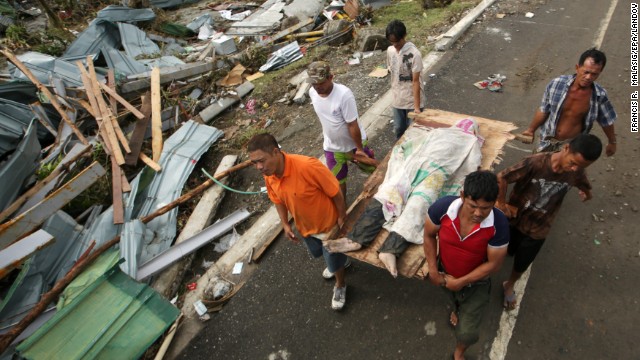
point(412, 262)
point(156, 118)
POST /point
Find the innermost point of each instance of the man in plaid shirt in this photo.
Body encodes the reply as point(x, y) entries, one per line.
point(571, 104)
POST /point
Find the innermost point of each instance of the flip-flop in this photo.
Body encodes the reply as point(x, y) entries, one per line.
point(510, 301)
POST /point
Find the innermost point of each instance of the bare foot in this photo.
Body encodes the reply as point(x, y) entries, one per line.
point(453, 319)
point(389, 261)
point(341, 245)
point(510, 301)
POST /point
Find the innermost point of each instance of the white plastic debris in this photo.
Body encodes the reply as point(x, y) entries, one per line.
point(227, 241)
point(237, 268)
point(529, 15)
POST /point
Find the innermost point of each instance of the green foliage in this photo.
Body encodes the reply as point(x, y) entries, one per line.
point(419, 22)
point(17, 36)
point(46, 169)
point(99, 192)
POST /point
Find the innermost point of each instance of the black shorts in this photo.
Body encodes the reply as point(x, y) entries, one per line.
point(524, 249)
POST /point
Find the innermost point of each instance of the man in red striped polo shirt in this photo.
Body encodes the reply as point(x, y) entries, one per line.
point(473, 238)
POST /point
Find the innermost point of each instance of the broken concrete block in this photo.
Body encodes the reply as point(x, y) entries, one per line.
point(224, 45)
point(301, 94)
point(335, 27)
point(370, 40)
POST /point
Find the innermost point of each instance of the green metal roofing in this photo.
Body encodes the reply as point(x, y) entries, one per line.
point(113, 318)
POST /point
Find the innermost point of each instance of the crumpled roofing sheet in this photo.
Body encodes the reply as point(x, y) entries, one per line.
point(19, 167)
point(99, 34)
point(113, 318)
point(39, 273)
point(283, 56)
point(179, 156)
point(126, 14)
point(42, 66)
point(135, 41)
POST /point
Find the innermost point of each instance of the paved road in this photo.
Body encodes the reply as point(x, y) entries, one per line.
point(581, 298)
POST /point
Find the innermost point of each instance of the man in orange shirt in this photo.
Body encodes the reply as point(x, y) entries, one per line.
point(304, 187)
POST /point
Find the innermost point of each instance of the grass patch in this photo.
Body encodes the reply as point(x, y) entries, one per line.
point(420, 23)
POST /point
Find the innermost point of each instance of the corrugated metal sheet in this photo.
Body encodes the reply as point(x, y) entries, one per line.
point(121, 62)
point(135, 41)
point(19, 167)
point(179, 156)
point(113, 318)
point(39, 273)
point(283, 56)
point(190, 245)
point(118, 13)
point(163, 4)
point(99, 34)
point(42, 66)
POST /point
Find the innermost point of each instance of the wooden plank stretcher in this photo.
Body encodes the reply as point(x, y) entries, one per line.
point(412, 262)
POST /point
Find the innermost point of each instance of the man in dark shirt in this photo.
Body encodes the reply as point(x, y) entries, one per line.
point(473, 238)
point(541, 183)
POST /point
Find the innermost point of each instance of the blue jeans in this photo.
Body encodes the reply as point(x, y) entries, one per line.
point(334, 261)
point(401, 121)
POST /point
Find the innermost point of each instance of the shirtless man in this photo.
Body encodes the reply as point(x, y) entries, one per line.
point(571, 104)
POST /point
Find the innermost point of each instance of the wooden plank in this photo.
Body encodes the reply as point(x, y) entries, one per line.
point(268, 40)
point(47, 93)
point(412, 262)
point(111, 84)
point(110, 122)
point(150, 163)
point(120, 134)
point(137, 137)
point(108, 134)
point(122, 101)
point(156, 115)
point(31, 219)
point(126, 187)
point(116, 192)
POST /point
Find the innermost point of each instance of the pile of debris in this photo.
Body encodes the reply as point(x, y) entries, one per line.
point(115, 87)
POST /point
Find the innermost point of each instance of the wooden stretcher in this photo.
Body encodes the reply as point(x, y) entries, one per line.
point(412, 262)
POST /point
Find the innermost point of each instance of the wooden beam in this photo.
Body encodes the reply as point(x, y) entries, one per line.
point(52, 98)
point(137, 137)
point(150, 163)
point(106, 111)
point(156, 115)
point(116, 192)
point(122, 101)
point(106, 132)
point(126, 187)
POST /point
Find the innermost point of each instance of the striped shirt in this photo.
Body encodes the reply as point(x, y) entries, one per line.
point(600, 108)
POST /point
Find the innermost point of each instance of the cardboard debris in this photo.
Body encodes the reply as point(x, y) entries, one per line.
point(379, 72)
point(234, 77)
point(255, 76)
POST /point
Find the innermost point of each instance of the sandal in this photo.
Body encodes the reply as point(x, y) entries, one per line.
point(510, 301)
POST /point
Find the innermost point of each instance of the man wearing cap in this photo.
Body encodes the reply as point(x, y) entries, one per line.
point(344, 138)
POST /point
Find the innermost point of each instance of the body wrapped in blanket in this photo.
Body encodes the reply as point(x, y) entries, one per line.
point(422, 168)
